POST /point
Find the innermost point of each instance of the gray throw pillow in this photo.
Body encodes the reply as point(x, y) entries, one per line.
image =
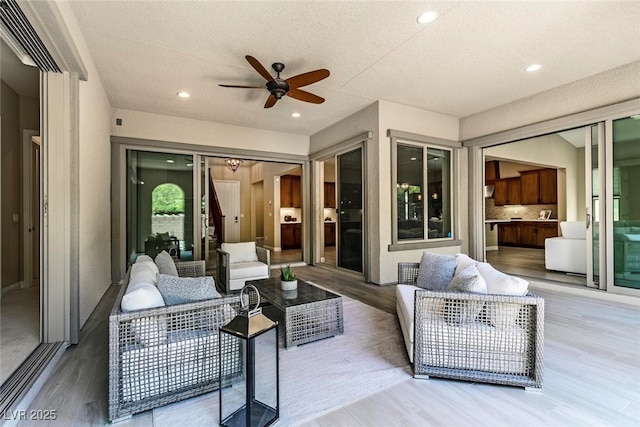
point(468, 280)
point(180, 290)
point(165, 264)
point(436, 271)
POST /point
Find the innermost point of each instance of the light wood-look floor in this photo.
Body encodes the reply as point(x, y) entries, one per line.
point(529, 262)
point(591, 377)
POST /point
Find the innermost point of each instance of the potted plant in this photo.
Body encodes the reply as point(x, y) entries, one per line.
point(288, 280)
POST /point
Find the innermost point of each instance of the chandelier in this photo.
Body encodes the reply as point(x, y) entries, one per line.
point(233, 164)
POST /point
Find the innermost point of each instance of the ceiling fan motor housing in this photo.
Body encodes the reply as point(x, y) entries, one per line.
point(278, 88)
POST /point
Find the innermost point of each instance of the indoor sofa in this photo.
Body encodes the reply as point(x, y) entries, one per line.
point(471, 336)
point(165, 353)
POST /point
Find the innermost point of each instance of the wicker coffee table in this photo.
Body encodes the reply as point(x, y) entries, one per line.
point(310, 313)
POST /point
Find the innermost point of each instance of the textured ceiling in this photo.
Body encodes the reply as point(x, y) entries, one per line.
point(469, 60)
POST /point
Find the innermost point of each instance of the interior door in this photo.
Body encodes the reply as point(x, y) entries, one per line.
point(350, 212)
point(229, 197)
point(595, 210)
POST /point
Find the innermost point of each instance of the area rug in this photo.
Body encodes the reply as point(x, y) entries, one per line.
point(320, 377)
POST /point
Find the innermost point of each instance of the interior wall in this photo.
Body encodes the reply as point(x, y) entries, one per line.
point(11, 182)
point(537, 151)
point(220, 171)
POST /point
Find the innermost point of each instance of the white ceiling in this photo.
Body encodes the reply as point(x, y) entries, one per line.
point(23, 79)
point(469, 60)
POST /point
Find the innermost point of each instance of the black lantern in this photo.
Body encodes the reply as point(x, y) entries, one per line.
point(252, 397)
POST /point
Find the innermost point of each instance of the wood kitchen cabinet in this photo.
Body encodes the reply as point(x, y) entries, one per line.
point(329, 195)
point(290, 191)
point(530, 234)
point(507, 191)
point(508, 234)
point(329, 233)
point(291, 236)
point(539, 187)
point(491, 172)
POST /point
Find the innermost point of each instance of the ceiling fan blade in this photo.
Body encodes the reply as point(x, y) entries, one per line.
point(307, 78)
point(243, 87)
point(303, 95)
point(259, 68)
point(271, 101)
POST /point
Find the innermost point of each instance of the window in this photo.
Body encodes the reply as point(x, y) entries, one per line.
point(423, 186)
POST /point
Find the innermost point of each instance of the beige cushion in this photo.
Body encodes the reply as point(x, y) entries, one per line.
point(240, 252)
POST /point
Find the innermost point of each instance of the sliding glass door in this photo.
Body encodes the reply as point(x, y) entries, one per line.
point(350, 192)
point(595, 210)
point(625, 201)
point(160, 205)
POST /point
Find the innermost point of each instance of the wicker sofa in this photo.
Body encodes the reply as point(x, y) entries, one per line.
point(502, 345)
point(165, 354)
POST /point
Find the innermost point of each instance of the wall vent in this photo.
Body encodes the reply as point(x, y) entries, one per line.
point(17, 25)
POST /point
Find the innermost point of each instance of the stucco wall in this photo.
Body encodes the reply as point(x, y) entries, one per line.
point(94, 191)
point(421, 122)
point(609, 87)
point(137, 124)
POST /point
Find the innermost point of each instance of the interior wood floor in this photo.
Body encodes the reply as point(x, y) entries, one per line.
point(591, 377)
point(529, 262)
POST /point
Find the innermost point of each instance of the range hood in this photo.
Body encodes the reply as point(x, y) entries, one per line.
point(488, 191)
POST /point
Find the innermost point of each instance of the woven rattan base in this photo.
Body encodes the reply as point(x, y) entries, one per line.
point(310, 313)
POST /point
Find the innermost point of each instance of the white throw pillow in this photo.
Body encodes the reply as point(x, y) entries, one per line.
point(502, 314)
point(240, 252)
point(463, 261)
point(147, 262)
point(141, 295)
point(501, 284)
point(144, 271)
point(144, 258)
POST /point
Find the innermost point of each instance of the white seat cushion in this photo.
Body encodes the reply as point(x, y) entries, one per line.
point(243, 270)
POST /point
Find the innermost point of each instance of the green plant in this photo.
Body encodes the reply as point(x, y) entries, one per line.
point(286, 274)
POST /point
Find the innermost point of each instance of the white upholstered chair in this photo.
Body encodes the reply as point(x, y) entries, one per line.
point(569, 252)
point(239, 262)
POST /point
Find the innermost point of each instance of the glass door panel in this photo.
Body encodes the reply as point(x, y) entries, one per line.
point(350, 184)
point(625, 202)
point(159, 205)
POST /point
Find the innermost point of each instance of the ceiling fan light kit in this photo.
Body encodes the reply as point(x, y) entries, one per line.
point(279, 87)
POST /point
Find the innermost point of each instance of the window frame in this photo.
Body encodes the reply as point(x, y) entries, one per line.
point(426, 143)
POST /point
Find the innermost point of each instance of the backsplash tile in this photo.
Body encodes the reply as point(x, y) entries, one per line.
point(491, 211)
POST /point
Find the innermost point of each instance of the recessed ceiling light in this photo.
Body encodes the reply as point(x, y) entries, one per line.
point(636, 117)
point(414, 158)
point(170, 161)
point(427, 17)
point(296, 115)
point(533, 67)
point(189, 165)
point(183, 94)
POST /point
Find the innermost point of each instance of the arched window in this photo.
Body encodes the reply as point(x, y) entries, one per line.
point(167, 199)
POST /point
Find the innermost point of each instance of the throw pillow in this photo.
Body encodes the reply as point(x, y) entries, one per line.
point(143, 270)
point(165, 264)
point(502, 314)
point(436, 271)
point(144, 258)
point(463, 261)
point(179, 290)
point(141, 295)
point(467, 280)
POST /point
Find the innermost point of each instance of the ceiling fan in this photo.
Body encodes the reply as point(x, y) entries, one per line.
point(279, 87)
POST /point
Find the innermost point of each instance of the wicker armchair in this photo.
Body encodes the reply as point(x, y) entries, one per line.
point(162, 355)
point(475, 337)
